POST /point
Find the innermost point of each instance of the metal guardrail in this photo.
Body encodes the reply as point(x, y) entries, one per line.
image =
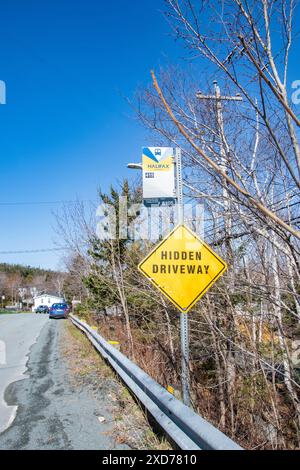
point(185, 427)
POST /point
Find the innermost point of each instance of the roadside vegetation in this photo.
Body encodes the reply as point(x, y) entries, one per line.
point(244, 169)
point(131, 424)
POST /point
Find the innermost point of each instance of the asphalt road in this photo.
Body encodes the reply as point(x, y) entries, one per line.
point(17, 334)
point(40, 407)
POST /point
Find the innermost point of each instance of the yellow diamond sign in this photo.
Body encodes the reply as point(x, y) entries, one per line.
point(183, 267)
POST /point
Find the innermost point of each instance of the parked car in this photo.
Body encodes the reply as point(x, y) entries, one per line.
point(59, 311)
point(42, 309)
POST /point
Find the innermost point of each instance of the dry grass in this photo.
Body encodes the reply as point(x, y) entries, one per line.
point(147, 353)
point(83, 358)
point(131, 425)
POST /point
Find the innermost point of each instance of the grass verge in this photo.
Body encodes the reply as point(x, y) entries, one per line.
point(6, 312)
point(131, 424)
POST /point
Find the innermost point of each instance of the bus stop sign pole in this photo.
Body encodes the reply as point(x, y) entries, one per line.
point(184, 326)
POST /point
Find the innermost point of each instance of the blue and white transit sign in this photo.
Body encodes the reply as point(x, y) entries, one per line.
point(158, 173)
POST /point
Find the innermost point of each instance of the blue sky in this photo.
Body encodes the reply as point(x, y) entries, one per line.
point(65, 129)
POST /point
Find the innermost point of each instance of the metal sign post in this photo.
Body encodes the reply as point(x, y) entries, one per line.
point(184, 322)
point(182, 266)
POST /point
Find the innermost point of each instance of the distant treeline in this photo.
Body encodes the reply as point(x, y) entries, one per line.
point(17, 281)
point(24, 271)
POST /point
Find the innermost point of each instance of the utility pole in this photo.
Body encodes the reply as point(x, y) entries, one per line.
point(224, 166)
point(184, 323)
point(223, 161)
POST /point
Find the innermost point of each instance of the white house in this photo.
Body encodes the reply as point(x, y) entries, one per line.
point(46, 299)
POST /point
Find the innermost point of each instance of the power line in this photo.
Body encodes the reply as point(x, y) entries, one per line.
point(41, 250)
point(35, 203)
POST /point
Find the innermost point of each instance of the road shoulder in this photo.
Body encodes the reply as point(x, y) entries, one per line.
point(130, 425)
point(71, 399)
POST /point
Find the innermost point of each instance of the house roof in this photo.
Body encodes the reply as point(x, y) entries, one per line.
point(48, 294)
